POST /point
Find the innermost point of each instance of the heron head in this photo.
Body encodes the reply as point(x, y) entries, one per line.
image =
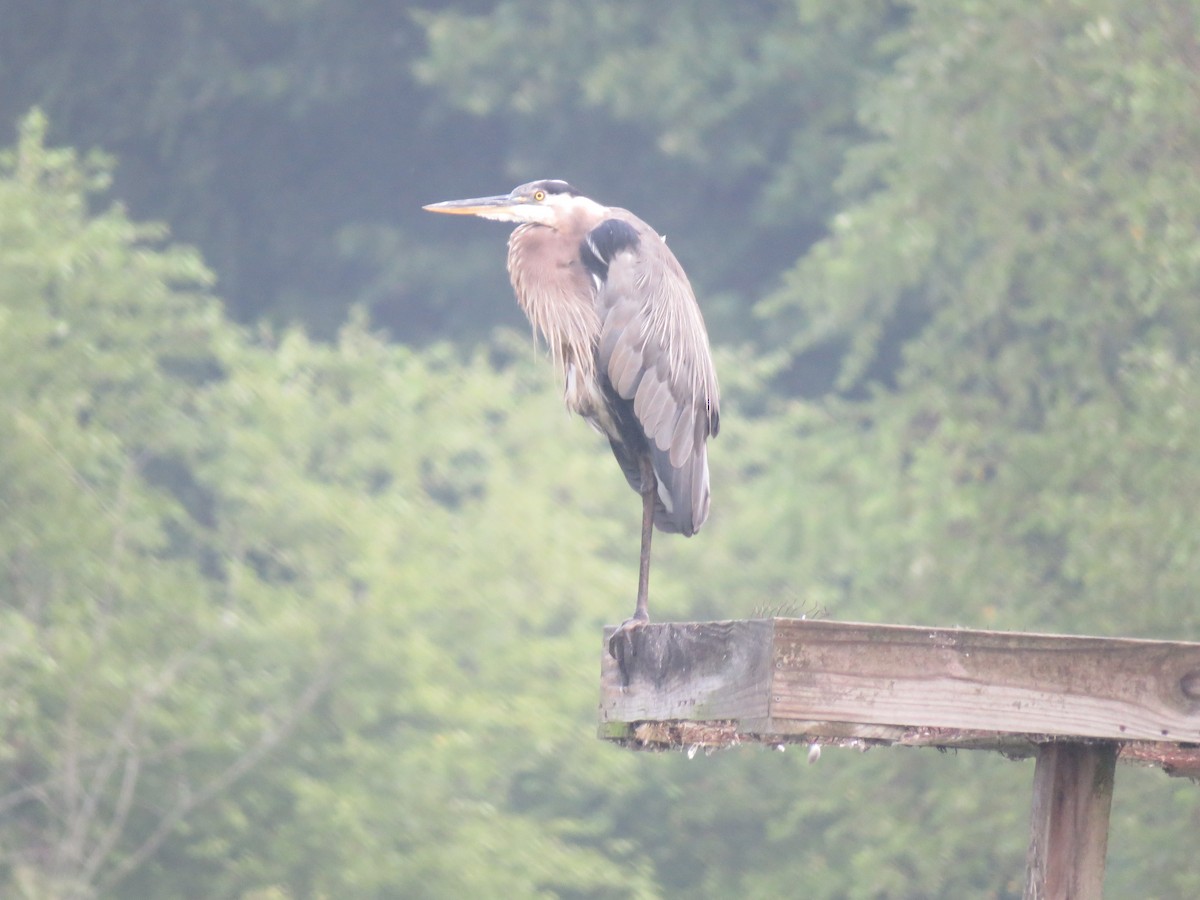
point(543, 202)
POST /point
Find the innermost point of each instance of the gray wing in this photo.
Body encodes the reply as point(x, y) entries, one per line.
point(654, 350)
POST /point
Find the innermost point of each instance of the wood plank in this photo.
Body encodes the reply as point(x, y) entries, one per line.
point(1072, 797)
point(697, 670)
point(985, 680)
point(791, 679)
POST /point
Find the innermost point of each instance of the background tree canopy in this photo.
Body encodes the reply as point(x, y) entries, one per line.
point(303, 571)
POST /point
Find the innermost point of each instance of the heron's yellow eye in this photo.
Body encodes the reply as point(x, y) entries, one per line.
point(539, 196)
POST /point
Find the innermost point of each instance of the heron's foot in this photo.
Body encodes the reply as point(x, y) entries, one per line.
point(620, 643)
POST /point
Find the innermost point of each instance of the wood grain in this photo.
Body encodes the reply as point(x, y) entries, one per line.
point(785, 679)
point(981, 680)
point(1079, 703)
point(1068, 833)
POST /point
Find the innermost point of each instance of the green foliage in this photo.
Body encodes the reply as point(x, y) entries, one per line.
point(273, 135)
point(104, 339)
point(1016, 286)
point(291, 618)
point(724, 128)
point(363, 465)
point(296, 142)
point(254, 631)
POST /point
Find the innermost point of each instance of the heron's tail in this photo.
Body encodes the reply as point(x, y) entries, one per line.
point(683, 492)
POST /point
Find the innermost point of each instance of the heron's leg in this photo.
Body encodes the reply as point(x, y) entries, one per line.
point(649, 490)
point(619, 644)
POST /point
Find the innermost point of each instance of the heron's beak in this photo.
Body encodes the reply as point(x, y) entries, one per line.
point(479, 206)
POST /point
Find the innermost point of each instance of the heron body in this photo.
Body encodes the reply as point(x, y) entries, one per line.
point(623, 327)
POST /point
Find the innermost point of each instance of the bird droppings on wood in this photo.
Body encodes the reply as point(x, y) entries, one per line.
point(775, 682)
point(1179, 760)
point(674, 736)
point(681, 736)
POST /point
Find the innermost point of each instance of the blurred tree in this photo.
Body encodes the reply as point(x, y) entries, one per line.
point(295, 143)
point(381, 485)
point(723, 126)
point(1016, 283)
point(216, 553)
point(125, 709)
point(1011, 287)
point(384, 569)
point(269, 133)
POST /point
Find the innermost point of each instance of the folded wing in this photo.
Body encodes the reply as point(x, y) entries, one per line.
point(654, 360)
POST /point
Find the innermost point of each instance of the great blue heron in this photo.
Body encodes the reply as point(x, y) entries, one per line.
point(625, 331)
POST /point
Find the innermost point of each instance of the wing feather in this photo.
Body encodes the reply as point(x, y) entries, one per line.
point(653, 406)
point(625, 364)
point(654, 350)
point(682, 437)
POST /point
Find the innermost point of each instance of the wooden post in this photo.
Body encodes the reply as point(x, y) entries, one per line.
point(1068, 831)
point(1079, 703)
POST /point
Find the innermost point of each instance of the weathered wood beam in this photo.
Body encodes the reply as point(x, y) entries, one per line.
point(1068, 832)
point(779, 680)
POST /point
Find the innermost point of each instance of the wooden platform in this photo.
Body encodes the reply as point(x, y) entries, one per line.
point(778, 681)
